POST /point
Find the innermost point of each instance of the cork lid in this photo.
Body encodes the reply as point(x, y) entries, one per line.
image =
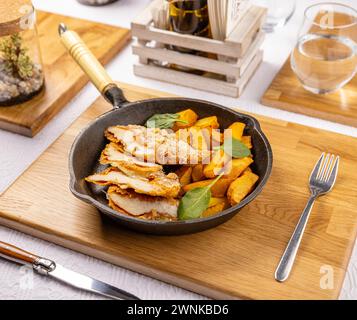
point(11, 14)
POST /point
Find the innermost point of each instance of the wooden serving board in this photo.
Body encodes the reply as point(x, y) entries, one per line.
point(234, 260)
point(287, 93)
point(63, 78)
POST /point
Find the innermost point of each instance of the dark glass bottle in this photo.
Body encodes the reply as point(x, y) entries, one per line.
point(189, 17)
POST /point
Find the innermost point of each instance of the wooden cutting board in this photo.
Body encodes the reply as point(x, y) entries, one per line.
point(234, 260)
point(287, 93)
point(63, 77)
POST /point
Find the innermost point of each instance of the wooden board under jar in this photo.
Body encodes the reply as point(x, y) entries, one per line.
point(63, 78)
point(286, 92)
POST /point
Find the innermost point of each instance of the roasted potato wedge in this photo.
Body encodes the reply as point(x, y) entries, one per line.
point(214, 138)
point(187, 115)
point(219, 160)
point(183, 134)
point(237, 130)
point(247, 140)
point(197, 184)
point(214, 201)
point(197, 173)
point(193, 136)
point(216, 208)
point(208, 122)
point(218, 190)
point(197, 138)
point(238, 166)
point(184, 173)
point(217, 137)
point(241, 187)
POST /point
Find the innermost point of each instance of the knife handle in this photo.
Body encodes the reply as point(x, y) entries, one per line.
point(15, 254)
point(18, 255)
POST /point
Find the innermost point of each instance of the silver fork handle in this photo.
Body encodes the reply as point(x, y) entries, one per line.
point(287, 260)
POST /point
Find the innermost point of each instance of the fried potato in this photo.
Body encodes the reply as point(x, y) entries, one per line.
point(214, 201)
point(237, 130)
point(194, 136)
point(187, 115)
point(197, 138)
point(198, 184)
point(247, 141)
point(241, 187)
point(183, 134)
point(184, 173)
point(238, 166)
point(219, 160)
point(208, 122)
point(217, 137)
point(224, 204)
point(218, 190)
point(197, 173)
point(214, 138)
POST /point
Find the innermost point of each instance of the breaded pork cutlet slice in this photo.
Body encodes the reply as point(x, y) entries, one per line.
point(142, 206)
point(159, 184)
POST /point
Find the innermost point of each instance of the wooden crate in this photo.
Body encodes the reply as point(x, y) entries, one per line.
point(239, 55)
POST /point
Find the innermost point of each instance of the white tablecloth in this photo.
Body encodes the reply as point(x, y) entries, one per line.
point(17, 153)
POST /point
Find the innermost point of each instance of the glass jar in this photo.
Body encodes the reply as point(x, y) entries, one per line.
point(21, 71)
point(96, 2)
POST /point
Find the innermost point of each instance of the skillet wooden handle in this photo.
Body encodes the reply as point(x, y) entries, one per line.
point(85, 58)
point(15, 254)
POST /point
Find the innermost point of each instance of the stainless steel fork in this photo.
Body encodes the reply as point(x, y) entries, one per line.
point(322, 179)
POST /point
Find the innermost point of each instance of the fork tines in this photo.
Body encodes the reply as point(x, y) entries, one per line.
point(326, 168)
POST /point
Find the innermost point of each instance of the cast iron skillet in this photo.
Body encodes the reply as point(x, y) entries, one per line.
point(86, 149)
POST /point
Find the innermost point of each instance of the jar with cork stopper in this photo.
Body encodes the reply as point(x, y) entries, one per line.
point(21, 70)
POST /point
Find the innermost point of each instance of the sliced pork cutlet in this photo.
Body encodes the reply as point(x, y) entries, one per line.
point(129, 164)
point(155, 145)
point(142, 206)
point(159, 184)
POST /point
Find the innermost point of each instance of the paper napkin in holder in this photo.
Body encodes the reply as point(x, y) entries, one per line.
point(224, 16)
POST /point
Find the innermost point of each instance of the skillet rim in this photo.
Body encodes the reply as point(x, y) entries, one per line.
point(107, 210)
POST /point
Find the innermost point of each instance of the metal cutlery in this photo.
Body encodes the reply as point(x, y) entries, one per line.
point(48, 267)
point(322, 179)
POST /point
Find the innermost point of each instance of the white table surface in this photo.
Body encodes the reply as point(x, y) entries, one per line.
point(17, 153)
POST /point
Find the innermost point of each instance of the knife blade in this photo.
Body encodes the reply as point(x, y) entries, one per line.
point(49, 268)
point(83, 282)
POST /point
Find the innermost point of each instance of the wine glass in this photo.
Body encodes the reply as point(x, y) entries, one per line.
point(325, 57)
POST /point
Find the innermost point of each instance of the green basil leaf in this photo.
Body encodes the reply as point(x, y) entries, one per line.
point(194, 203)
point(163, 121)
point(236, 148)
